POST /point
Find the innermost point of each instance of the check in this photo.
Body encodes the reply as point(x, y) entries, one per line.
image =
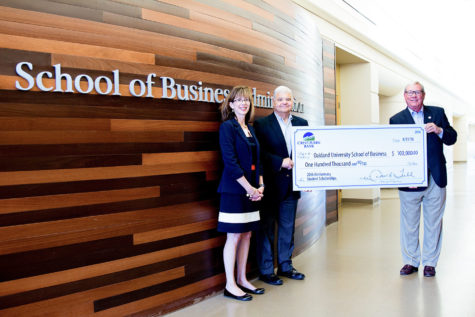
point(334, 157)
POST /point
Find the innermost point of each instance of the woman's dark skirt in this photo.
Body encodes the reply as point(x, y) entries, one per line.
point(237, 214)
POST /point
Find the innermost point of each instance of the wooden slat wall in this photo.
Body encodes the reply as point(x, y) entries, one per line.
point(108, 204)
point(329, 87)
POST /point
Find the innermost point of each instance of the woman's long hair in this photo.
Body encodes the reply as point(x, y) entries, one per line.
point(237, 92)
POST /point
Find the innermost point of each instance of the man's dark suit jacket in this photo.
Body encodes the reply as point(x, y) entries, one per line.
point(273, 150)
point(435, 154)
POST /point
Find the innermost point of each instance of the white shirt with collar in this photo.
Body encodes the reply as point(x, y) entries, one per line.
point(286, 128)
point(419, 118)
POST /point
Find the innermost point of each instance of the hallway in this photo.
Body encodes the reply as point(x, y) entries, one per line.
point(353, 270)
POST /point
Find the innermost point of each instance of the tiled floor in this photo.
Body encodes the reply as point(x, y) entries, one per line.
point(353, 270)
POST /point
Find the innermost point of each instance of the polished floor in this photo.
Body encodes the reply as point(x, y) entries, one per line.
point(353, 270)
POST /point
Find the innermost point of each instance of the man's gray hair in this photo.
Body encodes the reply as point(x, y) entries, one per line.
point(283, 89)
point(415, 83)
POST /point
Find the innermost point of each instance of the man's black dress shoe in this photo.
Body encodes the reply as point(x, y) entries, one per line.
point(293, 274)
point(244, 298)
point(408, 269)
point(429, 271)
point(271, 279)
point(257, 291)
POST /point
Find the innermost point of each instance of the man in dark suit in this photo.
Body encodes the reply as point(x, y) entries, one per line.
point(280, 201)
point(432, 197)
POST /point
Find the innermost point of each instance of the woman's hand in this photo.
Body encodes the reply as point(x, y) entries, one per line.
point(255, 194)
point(261, 190)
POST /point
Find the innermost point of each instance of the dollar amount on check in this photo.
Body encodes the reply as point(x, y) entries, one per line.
point(335, 157)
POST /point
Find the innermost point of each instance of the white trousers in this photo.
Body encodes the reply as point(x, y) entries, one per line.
point(432, 201)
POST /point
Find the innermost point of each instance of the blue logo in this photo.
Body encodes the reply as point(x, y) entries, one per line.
point(309, 136)
point(308, 140)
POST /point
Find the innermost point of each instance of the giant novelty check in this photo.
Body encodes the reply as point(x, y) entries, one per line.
point(340, 157)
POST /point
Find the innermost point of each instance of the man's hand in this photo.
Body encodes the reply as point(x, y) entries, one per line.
point(432, 128)
point(287, 163)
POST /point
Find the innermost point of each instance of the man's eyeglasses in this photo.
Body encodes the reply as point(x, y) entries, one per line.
point(414, 92)
point(242, 100)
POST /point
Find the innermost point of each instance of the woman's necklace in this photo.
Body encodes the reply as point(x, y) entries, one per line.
point(245, 129)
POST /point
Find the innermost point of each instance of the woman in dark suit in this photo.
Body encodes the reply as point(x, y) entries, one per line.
point(241, 186)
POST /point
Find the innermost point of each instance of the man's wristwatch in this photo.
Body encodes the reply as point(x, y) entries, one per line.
point(261, 185)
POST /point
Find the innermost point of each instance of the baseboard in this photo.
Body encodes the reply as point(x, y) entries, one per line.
point(373, 201)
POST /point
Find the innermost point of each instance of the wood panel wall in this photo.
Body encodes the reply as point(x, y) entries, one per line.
point(108, 204)
point(329, 95)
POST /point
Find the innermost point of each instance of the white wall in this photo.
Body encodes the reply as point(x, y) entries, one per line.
point(460, 149)
point(389, 106)
point(359, 106)
point(356, 37)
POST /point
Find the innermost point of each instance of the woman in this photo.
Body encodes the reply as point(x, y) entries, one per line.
point(241, 186)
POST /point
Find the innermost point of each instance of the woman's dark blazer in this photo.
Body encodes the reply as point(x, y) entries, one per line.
point(237, 157)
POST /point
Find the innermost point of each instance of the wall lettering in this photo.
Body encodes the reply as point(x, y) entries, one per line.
point(85, 84)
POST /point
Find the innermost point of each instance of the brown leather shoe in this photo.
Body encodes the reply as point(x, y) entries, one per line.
point(429, 271)
point(408, 269)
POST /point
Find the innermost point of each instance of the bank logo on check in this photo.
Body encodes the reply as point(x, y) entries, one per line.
point(309, 136)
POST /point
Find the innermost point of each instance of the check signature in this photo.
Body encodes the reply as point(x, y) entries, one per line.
point(378, 175)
